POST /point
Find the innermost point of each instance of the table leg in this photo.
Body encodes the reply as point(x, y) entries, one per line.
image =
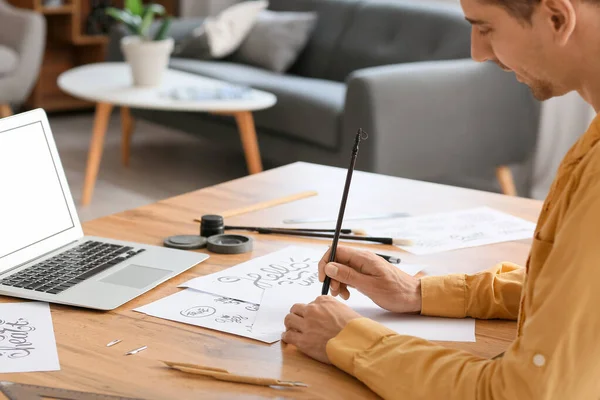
point(245, 123)
point(5, 110)
point(103, 111)
point(127, 127)
point(505, 178)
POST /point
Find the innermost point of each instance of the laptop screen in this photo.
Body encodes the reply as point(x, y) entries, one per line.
point(33, 203)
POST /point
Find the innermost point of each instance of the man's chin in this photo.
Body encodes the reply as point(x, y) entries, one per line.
point(541, 92)
point(541, 95)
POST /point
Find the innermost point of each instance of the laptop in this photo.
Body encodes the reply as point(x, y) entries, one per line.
point(44, 254)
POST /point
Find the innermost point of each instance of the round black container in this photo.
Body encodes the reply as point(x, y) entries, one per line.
point(211, 225)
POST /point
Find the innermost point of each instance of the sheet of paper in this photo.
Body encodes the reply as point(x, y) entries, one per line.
point(208, 311)
point(277, 302)
point(291, 266)
point(27, 342)
point(454, 230)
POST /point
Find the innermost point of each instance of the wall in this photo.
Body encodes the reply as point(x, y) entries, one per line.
point(199, 8)
point(563, 119)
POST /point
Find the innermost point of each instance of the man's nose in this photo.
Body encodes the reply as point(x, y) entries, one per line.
point(481, 49)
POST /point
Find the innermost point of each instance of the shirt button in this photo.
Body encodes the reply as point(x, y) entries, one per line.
point(539, 360)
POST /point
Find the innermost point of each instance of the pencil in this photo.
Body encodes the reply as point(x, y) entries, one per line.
point(360, 135)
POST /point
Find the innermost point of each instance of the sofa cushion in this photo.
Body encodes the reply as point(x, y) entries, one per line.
point(398, 31)
point(333, 16)
point(276, 39)
point(9, 59)
point(307, 109)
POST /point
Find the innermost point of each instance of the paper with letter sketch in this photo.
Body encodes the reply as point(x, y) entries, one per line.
point(455, 230)
point(27, 342)
point(277, 302)
point(238, 291)
point(291, 266)
point(209, 311)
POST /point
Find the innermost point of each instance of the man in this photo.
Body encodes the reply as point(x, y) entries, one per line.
point(553, 46)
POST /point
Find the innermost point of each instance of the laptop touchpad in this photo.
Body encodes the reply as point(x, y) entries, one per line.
point(135, 276)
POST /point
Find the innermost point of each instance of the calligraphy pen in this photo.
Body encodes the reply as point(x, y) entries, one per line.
point(360, 135)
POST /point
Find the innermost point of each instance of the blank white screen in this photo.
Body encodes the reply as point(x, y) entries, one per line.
point(32, 203)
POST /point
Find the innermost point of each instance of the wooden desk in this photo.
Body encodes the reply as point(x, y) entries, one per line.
point(82, 334)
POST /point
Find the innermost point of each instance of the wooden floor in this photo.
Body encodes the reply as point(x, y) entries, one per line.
point(164, 163)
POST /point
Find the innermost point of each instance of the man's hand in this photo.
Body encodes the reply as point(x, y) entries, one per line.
point(309, 327)
point(373, 276)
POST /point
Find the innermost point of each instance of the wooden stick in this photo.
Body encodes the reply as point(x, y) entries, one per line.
point(265, 204)
point(224, 375)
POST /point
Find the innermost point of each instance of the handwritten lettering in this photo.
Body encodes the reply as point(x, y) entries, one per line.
point(236, 319)
point(282, 273)
point(14, 338)
point(469, 237)
point(225, 300)
point(198, 312)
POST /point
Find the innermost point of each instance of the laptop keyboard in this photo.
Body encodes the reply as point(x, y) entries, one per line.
point(74, 266)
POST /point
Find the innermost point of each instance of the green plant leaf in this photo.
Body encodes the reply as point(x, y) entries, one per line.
point(156, 9)
point(147, 20)
point(164, 27)
point(135, 6)
point(132, 22)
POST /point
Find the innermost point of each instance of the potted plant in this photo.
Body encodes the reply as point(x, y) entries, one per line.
point(147, 54)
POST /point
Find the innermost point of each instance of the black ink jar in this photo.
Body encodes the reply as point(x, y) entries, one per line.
point(211, 225)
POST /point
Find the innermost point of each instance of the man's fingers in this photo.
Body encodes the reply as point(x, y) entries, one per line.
point(343, 274)
point(298, 309)
point(334, 285)
point(362, 261)
point(291, 337)
point(324, 260)
point(294, 321)
point(344, 292)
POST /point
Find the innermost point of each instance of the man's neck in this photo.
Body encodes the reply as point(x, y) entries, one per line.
point(588, 65)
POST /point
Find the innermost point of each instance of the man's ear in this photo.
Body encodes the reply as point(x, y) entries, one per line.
point(561, 16)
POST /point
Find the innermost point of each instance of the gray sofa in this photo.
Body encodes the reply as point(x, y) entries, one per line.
point(401, 70)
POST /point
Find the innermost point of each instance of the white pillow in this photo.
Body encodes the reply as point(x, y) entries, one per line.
point(227, 31)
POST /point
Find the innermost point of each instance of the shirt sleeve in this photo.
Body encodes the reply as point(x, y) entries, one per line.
point(555, 357)
point(494, 293)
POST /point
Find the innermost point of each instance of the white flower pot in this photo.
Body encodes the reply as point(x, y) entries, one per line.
point(148, 59)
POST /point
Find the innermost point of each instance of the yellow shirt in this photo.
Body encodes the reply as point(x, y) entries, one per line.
point(556, 300)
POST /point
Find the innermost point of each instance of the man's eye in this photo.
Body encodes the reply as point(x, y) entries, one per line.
point(484, 31)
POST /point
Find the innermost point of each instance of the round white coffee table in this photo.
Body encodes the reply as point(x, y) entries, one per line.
point(110, 84)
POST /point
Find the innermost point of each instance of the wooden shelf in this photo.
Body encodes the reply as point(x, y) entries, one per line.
point(64, 10)
point(68, 46)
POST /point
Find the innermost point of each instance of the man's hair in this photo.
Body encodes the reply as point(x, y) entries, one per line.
point(523, 9)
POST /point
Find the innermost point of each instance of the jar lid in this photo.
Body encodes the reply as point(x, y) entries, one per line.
point(185, 242)
point(229, 244)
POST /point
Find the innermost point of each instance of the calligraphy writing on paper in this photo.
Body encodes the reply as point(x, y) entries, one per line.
point(287, 272)
point(14, 338)
point(237, 319)
point(198, 312)
point(226, 300)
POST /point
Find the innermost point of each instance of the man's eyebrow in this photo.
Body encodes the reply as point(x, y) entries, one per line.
point(474, 21)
